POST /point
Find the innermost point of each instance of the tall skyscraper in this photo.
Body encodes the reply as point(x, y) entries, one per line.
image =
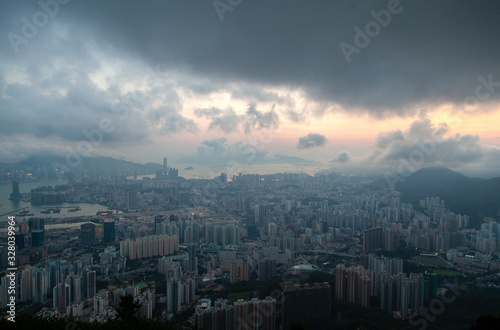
point(147, 301)
point(310, 305)
point(132, 199)
point(61, 296)
point(87, 233)
point(245, 271)
point(365, 289)
point(40, 285)
point(356, 284)
point(192, 261)
point(173, 173)
point(220, 317)
point(174, 295)
point(405, 298)
point(340, 282)
point(165, 167)
point(75, 310)
point(158, 221)
point(416, 292)
point(260, 214)
point(109, 231)
point(15, 195)
point(386, 294)
point(90, 280)
point(150, 246)
point(267, 269)
point(23, 227)
point(373, 239)
point(391, 239)
point(255, 314)
point(117, 296)
point(37, 237)
point(100, 302)
point(26, 284)
point(76, 289)
point(4, 288)
point(430, 285)
point(233, 272)
point(132, 290)
point(19, 239)
point(36, 223)
point(324, 205)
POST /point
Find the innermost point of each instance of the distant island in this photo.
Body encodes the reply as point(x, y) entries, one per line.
point(189, 168)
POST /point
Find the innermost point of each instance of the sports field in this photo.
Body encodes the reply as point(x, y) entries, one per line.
point(445, 272)
point(433, 261)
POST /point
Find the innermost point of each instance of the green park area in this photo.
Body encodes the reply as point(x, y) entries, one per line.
point(432, 261)
point(444, 272)
point(239, 295)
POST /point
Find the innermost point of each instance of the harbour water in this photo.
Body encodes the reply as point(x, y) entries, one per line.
point(7, 205)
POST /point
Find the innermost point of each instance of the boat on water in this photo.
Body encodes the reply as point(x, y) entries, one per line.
point(74, 209)
point(51, 210)
point(104, 213)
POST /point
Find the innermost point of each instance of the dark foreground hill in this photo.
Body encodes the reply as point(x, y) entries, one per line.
point(477, 198)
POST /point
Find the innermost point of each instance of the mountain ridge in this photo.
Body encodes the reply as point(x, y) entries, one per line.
point(475, 197)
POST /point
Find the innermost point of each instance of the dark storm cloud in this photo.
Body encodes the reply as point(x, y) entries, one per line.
point(256, 94)
point(81, 109)
point(311, 140)
point(65, 116)
point(57, 98)
point(429, 53)
point(411, 61)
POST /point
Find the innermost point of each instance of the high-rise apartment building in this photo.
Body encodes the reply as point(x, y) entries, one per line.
point(233, 272)
point(372, 239)
point(109, 231)
point(309, 305)
point(87, 233)
point(193, 264)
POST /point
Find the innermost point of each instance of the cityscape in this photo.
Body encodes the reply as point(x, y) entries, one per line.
point(241, 165)
point(246, 252)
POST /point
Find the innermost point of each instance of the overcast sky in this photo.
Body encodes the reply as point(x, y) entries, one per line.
point(353, 85)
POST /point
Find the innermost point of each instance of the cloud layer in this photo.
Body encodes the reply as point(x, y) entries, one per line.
point(312, 140)
point(220, 153)
point(342, 157)
point(228, 121)
point(425, 144)
point(173, 68)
